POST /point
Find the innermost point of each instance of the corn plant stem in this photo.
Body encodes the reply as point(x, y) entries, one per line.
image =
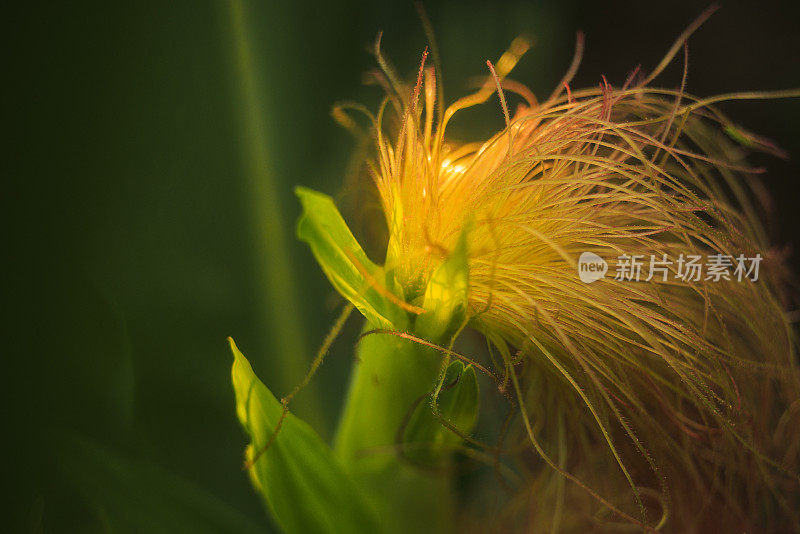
point(390, 375)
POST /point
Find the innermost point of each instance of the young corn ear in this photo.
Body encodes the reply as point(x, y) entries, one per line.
point(669, 404)
point(660, 403)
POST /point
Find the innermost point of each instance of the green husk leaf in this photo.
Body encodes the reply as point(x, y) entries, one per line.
point(427, 439)
point(446, 295)
point(345, 262)
point(303, 484)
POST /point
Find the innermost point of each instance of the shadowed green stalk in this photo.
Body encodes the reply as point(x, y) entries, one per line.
point(277, 285)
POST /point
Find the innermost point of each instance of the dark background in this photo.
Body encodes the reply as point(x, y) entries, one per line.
point(150, 155)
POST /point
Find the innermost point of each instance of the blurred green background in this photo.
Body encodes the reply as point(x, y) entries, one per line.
point(151, 153)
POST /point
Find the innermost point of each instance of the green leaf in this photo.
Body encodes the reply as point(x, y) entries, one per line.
point(446, 295)
point(305, 488)
point(344, 261)
point(427, 439)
